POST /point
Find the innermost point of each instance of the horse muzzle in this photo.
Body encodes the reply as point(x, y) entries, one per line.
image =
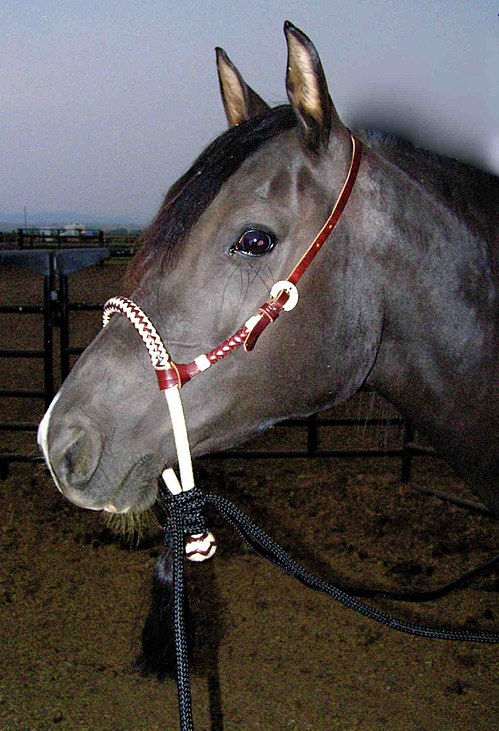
point(73, 455)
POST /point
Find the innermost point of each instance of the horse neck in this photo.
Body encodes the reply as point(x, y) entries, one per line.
point(436, 357)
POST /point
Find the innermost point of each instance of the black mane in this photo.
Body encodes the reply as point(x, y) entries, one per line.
point(189, 197)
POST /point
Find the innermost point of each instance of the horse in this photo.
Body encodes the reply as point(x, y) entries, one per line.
point(401, 298)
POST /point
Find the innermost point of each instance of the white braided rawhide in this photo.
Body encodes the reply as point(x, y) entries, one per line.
point(157, 351)
point(196, 548)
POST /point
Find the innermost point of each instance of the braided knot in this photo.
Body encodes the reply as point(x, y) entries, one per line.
point(187, 507)
point(186, 513)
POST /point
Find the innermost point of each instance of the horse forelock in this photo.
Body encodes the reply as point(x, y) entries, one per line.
point(191, 194)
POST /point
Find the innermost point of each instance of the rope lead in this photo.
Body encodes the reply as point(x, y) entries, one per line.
point(186, 516)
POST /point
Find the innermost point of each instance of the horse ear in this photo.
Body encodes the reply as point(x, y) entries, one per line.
point(307, 90)
point(240, 101)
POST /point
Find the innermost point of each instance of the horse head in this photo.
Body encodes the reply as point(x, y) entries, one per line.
point(234, 224)
point(237, 222)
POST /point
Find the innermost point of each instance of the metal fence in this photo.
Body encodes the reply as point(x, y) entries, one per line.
point(125, 243)
point(54, 267)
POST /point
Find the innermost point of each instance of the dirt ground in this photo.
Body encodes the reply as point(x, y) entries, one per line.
point(271, 654)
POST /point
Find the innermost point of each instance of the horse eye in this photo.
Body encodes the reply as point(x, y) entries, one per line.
point(254, 243)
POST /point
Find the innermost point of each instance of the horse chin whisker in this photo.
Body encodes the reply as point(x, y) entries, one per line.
point(132, 526)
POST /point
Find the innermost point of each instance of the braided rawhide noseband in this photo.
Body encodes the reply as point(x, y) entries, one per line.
point(157, 351)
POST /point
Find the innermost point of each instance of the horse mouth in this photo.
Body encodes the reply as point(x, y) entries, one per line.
point(137, 490)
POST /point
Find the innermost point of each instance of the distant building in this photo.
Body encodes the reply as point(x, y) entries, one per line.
point(75, 229)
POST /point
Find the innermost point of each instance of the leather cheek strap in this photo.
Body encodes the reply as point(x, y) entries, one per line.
point(268, 312)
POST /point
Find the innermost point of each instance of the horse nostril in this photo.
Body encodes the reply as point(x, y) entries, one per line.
point(75, 456)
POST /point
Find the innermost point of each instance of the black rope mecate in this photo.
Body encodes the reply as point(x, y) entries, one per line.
point(184, 517)
point(165, 637)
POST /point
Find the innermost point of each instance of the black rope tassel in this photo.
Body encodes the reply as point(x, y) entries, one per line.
point(158, 640)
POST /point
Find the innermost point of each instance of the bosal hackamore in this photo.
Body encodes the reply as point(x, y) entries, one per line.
point(172, 376)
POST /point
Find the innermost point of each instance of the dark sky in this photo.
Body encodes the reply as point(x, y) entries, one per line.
point(104, 102)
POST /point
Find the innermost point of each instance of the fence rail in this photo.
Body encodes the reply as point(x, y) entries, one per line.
point(120, 244)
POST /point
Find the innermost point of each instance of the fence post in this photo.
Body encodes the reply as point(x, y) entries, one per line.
point(407, 452)
point(312, 435)
point(64, 325)
point(68, 262)
point(55, 265)
point(49, 292)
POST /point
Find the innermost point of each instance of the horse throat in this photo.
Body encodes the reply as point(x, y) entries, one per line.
point(442, 377)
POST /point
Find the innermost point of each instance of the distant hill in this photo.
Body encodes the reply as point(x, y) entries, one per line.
point(10, 221)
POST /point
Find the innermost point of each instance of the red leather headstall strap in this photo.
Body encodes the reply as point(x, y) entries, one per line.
point(247, 335)
point(334, 217)
point(314, 247)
